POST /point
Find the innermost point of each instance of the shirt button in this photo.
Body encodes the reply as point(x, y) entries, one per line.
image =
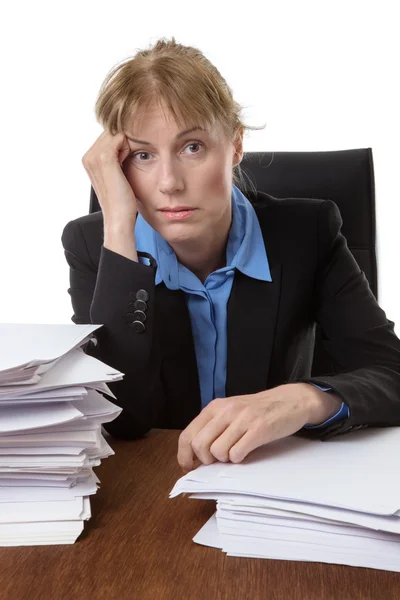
point(142, 295)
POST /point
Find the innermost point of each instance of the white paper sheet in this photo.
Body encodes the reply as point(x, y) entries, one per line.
point(52, 410)
point(270, 506)
point(74, 368)
point(277, 549)
point(43, 533)
point(30, 512)
point(15, 420)
point(298, 499)
point(25, 344)
point(345, 472)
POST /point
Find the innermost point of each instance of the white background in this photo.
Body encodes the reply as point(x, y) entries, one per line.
point(322, 76)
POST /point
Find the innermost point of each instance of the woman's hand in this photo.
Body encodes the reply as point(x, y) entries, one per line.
point(103, 163)
point(227, 429)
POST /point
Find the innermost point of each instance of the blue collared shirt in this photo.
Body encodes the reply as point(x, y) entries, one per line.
point(207, 302)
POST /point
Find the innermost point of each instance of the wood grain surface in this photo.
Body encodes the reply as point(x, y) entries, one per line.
point(138, 546)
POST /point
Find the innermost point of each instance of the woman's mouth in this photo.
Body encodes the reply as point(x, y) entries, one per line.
point(177, 215)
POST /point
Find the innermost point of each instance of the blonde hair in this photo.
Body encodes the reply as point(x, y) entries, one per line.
point(192, 88)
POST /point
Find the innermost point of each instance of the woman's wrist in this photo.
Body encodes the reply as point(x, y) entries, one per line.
point(321, 405)
point(120, 238)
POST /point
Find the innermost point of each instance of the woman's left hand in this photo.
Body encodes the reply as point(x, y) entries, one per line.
point(227, 429)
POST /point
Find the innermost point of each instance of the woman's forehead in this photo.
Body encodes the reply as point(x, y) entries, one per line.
point(173, 116)
point(153, 121)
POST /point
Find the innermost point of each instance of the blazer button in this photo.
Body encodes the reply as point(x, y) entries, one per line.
point(140, 305)
point(142, 295)
point(139, 316)
point(137, 326)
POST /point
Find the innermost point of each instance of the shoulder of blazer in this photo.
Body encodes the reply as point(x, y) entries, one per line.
point(263, 202)
point(91, 226)
point(90, 230)
point(279, 217)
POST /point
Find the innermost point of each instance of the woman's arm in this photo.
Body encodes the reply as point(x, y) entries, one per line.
point(106, 296)
point(119, 238)
point(356, 333)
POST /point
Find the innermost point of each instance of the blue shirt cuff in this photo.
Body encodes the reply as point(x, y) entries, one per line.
point(343, 412)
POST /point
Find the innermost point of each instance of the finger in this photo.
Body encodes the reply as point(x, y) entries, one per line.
point(243, 447)
point(123, 151)
point(221, 446)
point(253, 438)
point(201, 444)
point(196, 463)
point(185, 452)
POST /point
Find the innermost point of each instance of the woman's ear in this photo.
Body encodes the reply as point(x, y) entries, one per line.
point(238, 147)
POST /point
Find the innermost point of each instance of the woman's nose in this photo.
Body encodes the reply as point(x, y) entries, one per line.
point(170, 178)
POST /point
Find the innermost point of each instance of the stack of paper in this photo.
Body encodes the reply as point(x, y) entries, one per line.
point(299, 499)
point(51, 412)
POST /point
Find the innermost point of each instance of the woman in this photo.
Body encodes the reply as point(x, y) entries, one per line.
point(208, 300)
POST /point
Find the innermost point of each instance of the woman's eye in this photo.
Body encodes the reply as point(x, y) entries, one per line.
point(141, 154)
point(194, 144)
point(138, 154)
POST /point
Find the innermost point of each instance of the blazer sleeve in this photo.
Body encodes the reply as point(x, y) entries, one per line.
point(106, 296)
point(356, 334)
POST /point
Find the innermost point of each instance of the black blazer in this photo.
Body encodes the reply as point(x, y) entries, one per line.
point(271, 325)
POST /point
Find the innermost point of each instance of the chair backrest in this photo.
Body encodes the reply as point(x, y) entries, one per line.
point(344, 176)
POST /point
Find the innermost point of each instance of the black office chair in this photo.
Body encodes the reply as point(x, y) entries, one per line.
point(344, 176)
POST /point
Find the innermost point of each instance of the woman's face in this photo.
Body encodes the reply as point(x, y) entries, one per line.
point(172, 170)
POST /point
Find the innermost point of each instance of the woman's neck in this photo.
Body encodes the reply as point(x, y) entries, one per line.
point(204, 256)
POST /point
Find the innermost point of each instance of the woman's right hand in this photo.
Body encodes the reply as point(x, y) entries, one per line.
point(103, 163)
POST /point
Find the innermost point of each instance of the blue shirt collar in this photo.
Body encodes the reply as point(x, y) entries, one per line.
point(245, 249)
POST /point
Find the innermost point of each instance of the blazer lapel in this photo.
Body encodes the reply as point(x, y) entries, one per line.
point(252, 313)
point(179, 365)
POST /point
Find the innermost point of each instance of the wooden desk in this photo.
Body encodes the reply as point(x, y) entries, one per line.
point(138, 546)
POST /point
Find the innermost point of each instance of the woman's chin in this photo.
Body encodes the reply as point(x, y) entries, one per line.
point(178, 232)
